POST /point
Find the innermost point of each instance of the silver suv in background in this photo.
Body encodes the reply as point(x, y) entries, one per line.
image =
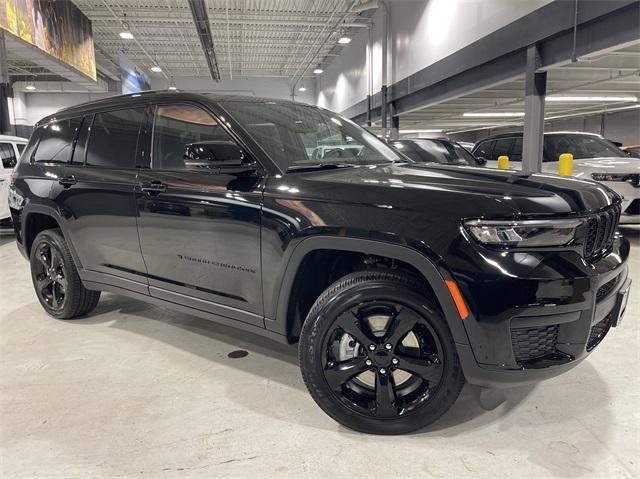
point(10, 149)
point(594, 157)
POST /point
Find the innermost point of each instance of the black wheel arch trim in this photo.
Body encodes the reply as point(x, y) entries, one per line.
point(31, 208)
point(434, 274)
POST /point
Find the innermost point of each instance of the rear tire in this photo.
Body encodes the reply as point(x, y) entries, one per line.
point(56, 280)
point(377, 356)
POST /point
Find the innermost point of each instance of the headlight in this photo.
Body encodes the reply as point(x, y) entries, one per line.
point(610, 176)
point(525, 233)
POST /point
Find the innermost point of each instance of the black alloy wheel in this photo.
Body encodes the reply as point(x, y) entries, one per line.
point(377, 356)
point(50, 276)
point(382, 359)
point(56, 280)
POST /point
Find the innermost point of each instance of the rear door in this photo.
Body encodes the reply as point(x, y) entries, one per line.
point(199, 227)
point(95, 194)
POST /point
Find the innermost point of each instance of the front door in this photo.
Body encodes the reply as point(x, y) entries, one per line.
point(199, 229)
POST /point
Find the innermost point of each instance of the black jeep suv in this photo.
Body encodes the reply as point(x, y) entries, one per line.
point(397, 279)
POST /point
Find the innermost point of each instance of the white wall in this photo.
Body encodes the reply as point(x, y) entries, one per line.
point(422, 32)
point(38, 105)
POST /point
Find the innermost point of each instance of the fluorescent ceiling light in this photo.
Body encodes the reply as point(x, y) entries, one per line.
point(344, 40)
point(156, 69)
point(428, 130)
point(30, 87)
point(126, 35)
point(586, 99)
point(302, 88)
point(317, 71)
point(495, 114)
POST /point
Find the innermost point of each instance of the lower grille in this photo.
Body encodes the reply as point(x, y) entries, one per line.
point(533, 343)
point(599, 331)
point(605, 289)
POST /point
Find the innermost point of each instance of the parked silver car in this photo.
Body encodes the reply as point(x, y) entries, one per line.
point(594, 158)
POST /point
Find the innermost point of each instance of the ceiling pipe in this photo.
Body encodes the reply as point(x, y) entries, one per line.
point(203, 29)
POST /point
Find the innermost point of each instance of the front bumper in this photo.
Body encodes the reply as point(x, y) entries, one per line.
point(539, 319)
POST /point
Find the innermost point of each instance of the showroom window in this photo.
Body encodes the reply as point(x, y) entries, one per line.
point(114, 138)
point(8, 155)
point(56, 141)
point(179, 126)
point(515, 152)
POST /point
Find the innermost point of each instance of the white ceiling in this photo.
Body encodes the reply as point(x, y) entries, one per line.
point(252, 38)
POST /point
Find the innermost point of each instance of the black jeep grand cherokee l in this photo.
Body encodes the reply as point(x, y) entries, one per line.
point(398, 280)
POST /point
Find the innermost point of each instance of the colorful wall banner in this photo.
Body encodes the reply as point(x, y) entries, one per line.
point(58, 28)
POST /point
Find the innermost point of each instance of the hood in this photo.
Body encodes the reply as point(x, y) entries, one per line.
point(472, 191)
point(609, 164)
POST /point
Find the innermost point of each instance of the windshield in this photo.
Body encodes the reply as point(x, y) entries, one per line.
point(298, 136)
point(580, 146)
point(435, 151)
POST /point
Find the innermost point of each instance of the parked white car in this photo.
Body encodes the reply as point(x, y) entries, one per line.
point(10, 149)
point(594, 157)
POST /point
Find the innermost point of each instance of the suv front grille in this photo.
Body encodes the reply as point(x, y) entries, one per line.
point(600, 229)
point(605, 289)
point(599, 331)
point(533, 343)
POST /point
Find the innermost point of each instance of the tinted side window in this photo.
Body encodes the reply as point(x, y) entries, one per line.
point(484, 150)
point(20, 147)
point(502, 147)
point(56, 141)
point(176, 127)
point(515, 152)
point(114, 138)
point(8, 155)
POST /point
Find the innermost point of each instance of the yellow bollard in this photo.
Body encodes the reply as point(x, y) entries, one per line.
point(565, 164)
point(503, 162)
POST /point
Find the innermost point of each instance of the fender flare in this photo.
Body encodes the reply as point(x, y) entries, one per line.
point(427, 268)
point(31, 208)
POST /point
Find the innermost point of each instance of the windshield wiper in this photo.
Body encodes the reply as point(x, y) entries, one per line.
point(318, 167)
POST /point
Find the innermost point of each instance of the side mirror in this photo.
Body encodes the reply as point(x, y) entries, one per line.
point(481, 161)
point(216, 154)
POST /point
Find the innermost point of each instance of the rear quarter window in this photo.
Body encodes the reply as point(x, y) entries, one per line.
point(57, 141)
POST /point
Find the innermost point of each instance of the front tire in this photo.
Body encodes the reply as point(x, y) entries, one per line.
point(377, 356)
point(56, 280)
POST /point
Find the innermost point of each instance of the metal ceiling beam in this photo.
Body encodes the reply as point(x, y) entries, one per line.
point(203, 27)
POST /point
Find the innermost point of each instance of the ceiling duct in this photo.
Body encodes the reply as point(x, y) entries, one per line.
point(203, 28)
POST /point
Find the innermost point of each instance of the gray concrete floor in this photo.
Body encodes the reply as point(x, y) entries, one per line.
point(138, 391)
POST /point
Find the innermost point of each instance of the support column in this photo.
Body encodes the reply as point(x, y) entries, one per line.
point(395, 122)
point(5, 88)
point(535, 91)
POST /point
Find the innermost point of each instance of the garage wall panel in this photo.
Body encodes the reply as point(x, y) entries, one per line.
point(422, 33)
